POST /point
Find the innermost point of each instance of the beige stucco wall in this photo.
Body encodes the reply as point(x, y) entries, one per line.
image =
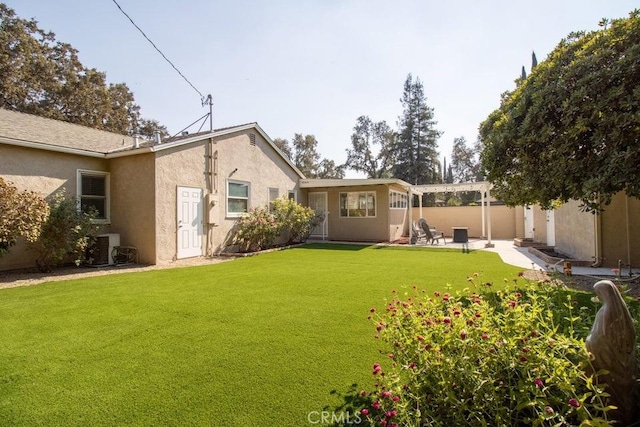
point(133, 203)
point(621, 231)
point(260, 165)
point(575, 231)
point(44, 172)
point(505, 221)
point(236, 159)
point(373, 229)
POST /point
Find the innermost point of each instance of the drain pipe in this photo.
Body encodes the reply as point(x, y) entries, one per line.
point(597, 225)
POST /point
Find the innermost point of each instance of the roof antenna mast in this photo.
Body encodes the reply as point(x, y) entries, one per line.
point(208, 100)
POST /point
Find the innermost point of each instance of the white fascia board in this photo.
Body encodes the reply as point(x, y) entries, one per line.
point(354, 182)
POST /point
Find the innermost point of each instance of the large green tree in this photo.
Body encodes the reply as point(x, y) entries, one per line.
point(571, 130)
point(465, 163)
point(416, 149)
point(303, 152)
point(42, 76)
point(372, 148)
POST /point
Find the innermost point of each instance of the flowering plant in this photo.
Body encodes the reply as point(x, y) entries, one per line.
point(257, 230)
point(511, 357)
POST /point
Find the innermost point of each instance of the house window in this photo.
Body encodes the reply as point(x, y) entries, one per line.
point(93, 193)
point(292, 195)
point(398, 200)
point(273, 195)
point(358, 205)
point(237, 198)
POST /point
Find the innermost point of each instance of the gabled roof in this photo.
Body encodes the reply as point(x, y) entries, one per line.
point(31, 131)
point(40, 132)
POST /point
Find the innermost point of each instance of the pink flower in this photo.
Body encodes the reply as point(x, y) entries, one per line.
point(436, 293)
point(376, 405)
point(447, 320)
point(573, 402)
point(376, 368)
point(395, 398)
point(463, 334)
point(372, 309)
point(420, 338)
point(457, 312)
point(363, 393)
point(549, 410)
point(538, 382)
point(485, 336)
point(512, 303)
point(365, 412)
point(391, 414)
point(385, 394)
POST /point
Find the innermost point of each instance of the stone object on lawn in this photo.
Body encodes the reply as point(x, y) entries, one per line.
point(612, 344)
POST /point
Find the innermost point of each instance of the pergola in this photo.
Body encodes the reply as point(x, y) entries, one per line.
point(483, 187)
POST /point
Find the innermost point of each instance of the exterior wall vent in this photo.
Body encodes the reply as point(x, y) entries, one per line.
point(252, 139)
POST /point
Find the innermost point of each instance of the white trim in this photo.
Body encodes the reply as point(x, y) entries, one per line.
point(227, 197)
point(107, 189)
point(319, 183)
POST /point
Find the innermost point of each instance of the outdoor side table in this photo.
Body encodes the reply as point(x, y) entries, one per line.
point(460, 234)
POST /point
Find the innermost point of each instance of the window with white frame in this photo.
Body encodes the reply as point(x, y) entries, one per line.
point(292, 195)
point(398, 200)
point(93, 193)
point(274, 193)
point(358, 204)
point(237, 198)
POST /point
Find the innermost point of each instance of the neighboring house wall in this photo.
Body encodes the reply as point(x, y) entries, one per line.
point(575, 231)
point(44, 172)
point(621, 237)
point(133, 203)
point(505, 221)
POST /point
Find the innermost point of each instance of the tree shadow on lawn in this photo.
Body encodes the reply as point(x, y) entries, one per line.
point(346, 246)
point(348, 412)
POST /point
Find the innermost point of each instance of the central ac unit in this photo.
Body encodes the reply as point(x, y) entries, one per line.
point(100, 253)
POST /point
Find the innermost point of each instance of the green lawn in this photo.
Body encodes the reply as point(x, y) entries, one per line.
point(260, 341)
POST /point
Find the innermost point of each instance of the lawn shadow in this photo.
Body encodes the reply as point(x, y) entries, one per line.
point(346, 246)
point(348, 412)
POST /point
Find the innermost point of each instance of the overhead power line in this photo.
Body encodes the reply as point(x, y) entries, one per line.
point(202, 97)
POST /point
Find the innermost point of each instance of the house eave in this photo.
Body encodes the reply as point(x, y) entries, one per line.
point(49, 147)
point(353, 182)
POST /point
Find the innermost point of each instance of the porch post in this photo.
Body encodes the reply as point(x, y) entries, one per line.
point(482, 202)
point(489, 244)
point(410, 207)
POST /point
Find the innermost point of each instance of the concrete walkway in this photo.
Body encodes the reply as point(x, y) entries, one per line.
point(520, 257)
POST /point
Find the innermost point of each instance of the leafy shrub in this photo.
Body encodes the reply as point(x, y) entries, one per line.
point(260, 228)
point(257, 230)
point(294, 219)
point(513, 357)
point(66, 234)
point(21, 215)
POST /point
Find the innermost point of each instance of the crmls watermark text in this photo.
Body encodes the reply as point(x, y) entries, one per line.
point(326, 417)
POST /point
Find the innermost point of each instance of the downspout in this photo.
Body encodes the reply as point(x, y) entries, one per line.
point(597, 225)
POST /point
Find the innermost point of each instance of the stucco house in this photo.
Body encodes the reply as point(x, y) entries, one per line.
point(170, 199)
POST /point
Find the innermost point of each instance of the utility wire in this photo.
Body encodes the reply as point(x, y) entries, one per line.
point(159, 51)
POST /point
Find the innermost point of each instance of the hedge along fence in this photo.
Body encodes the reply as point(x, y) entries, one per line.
point(512, 357)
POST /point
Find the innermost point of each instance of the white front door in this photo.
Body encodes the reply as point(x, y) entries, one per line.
point(190, 222)
point(551, 228)
point(528, 222)
point(318, 202)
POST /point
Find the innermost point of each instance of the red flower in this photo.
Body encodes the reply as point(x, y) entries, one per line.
point(538, 382)
point(376, 405)
point(485, 336)
point(372, 309)
point(463, 334)
point(573, 402)
point(447, 320)
point(365, 412)
point(385, 394)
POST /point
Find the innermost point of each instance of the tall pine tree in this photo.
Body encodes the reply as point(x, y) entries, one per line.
point(416, 150)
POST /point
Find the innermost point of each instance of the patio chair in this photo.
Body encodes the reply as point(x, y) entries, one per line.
point(417, 233)
point(432, 235)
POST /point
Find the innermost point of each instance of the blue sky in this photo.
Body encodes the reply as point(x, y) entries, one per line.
point(313, 67)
